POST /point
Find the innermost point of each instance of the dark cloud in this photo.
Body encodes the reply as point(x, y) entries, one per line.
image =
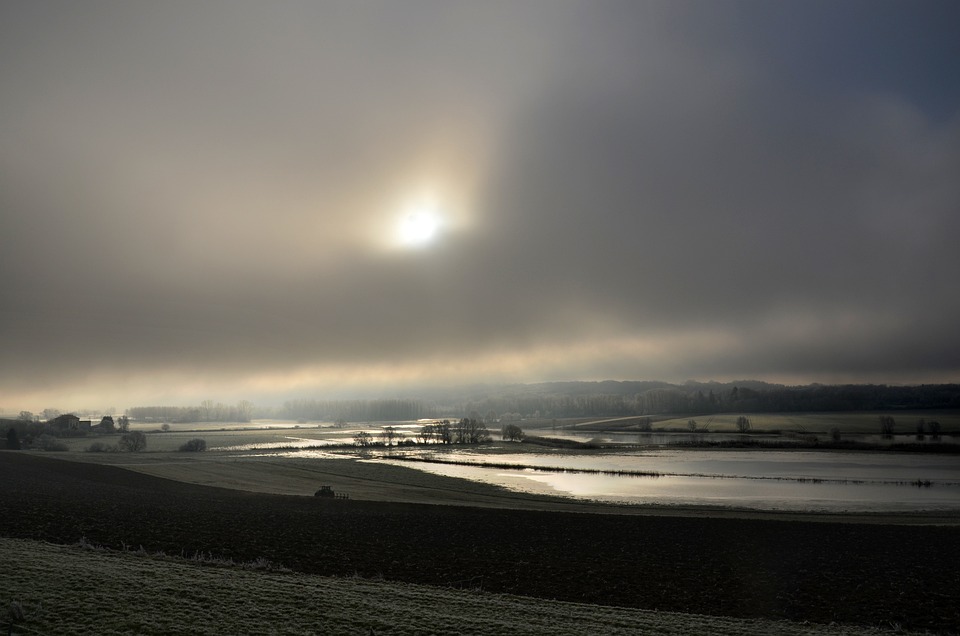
point(199, 200)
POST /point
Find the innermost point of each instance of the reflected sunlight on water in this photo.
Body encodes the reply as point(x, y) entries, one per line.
point(763, 480)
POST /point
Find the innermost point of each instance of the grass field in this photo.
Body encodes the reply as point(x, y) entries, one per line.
point(862, 422)
point(73, 589)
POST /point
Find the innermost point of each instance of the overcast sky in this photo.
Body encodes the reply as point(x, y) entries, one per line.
point(227, 200)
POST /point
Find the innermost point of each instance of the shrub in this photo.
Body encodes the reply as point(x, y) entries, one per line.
point(100, 447)
point(835, 434)
point(133, 442)
point(196, 445)
point(49, 443)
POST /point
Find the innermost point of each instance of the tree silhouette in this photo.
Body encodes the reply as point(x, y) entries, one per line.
point(13, 440)
point(511, 433)
point(887, 424)
point(743, 423)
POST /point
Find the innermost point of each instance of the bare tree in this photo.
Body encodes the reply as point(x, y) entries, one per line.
point(426, 433)
point(387, 435)
point(470, 430)
point(244, 411)
point(887, 424)
point(743, 423)
point(443, 432)
point(362, 439)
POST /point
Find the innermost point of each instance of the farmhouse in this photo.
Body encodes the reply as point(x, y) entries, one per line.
point(69, 422)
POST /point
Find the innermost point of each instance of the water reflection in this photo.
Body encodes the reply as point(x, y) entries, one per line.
point(762, 480)
point(286, 443)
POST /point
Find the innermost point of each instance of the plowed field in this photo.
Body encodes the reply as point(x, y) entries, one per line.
point(866, 574)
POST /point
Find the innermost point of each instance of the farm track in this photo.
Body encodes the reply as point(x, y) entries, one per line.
point(864, 574)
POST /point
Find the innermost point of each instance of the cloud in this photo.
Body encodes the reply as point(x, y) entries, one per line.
point(200, 200)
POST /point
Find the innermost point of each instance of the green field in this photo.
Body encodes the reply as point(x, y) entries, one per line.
point(74, 589)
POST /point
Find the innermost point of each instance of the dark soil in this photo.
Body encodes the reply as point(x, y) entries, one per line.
point(867, 574)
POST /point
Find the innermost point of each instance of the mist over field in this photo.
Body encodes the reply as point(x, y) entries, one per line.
point(235, 200)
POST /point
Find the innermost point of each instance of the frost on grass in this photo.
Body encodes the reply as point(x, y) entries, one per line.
point(87, 589)
point(203, 558)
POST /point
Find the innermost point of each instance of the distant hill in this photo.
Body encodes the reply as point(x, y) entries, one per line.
point(622, 398)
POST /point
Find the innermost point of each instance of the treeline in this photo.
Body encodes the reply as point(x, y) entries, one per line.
point(579, 399)
point(465, 431)
point(206, 411)
point(695, 398)
point(616, 399)
point(357, 410)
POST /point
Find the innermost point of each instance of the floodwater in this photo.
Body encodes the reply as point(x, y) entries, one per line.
point(761, 480)
point(661, 438)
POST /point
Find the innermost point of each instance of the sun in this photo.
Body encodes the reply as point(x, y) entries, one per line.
point(419, 226)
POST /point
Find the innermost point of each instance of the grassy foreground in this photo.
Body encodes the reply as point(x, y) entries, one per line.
point(72, 589)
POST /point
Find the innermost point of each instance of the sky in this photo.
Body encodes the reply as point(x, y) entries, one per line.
point(248, 200)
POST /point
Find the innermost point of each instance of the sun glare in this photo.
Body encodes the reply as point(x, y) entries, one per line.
point(419, 226)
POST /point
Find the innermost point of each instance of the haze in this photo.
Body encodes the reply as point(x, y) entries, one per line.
point(259, 200)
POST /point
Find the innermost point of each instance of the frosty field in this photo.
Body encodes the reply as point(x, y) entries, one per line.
point(72, 590)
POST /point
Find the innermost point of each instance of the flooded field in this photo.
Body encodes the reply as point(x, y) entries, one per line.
point(762, 480)
point(652, 468)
